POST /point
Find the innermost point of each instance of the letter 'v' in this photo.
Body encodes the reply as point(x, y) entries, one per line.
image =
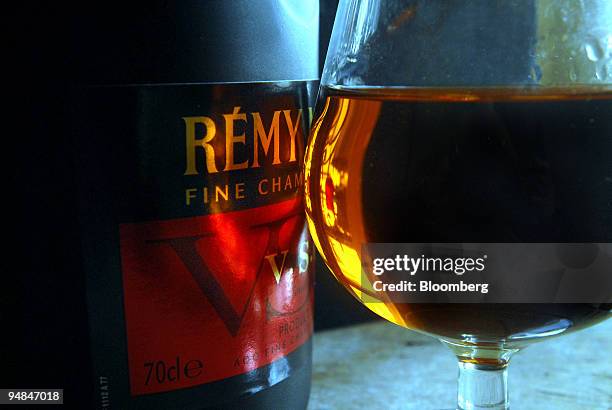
point(186, 250)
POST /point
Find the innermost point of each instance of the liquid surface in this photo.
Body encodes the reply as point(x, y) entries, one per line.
point(452, 165)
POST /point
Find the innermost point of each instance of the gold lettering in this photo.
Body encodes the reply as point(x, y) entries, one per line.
point(288, 183)
point(276, 184)
point(275, 270)
point(192, 143)
point(260, 134)
point(231, 139)
point(189, 195)
point(292, 130)
point(240, 190)
point(224, 192)
point(299, 178)
point(260, 187)
point(205, 194)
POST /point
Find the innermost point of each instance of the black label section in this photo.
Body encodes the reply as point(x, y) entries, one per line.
point(165, 152)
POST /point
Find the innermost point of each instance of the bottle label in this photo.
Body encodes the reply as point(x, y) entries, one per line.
point(211, 297)
point(198, 259)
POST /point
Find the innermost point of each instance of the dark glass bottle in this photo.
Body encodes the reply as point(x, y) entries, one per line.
point(168, 209)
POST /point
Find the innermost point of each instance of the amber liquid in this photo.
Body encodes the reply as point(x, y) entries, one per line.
point(452, 165)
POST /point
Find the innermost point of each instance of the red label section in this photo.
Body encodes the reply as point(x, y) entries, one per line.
point(215, 296)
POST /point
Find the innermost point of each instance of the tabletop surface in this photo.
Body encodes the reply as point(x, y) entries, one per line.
point(382, 366)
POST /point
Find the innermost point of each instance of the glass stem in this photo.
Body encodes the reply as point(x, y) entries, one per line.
point(482, 386)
